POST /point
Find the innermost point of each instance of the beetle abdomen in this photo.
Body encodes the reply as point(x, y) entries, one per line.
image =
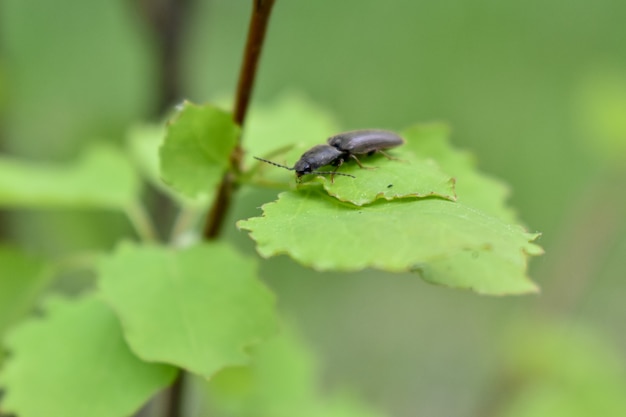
point(365, 141)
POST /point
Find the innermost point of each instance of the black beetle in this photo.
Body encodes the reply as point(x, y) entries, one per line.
point(365, 142)
point(340, 148)
point(316, 157)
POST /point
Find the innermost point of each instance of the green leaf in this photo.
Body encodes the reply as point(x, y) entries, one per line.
point(481, 270)
point(23, 278)
point(74, 363)
point(404, 235)
point(281, 381)
point(292, 120)
point(101, 178)
point(197, 308)
point(472, 187)
point(197, 148)
point(144, 142)
point(406, 177)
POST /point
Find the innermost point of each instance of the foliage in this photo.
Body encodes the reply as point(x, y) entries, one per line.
point(281, 381)
point(198, 144)
point(79, 185)
point(70, 374)
point(157, 309)
point(215, 305)
point(453, 232)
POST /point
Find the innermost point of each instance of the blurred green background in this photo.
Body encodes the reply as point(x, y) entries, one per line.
point(535, 89)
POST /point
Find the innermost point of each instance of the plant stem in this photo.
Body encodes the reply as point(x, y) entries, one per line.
point(186, 219)
point(174, 406)
point(141, 221)
point(256, 35)
point(167, 20)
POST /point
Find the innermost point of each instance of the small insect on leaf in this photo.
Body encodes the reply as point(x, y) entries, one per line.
point(340, 148)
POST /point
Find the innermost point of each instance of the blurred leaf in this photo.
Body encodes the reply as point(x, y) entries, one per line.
point(472, 187)
point(197, 308)
point(566, 371)
point(74, 362)
point(281, 381)
point(23, 278)
point(101, 178)
point(144, 142)
point(291, 120)
point(197, 148)
point(344, 404)
point(404, 235)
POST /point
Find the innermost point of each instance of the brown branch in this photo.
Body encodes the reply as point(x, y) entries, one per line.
point(167, 19)
point(174, 405)
point(256, 35)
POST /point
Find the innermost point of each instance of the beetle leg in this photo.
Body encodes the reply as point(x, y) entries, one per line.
point(386, 155)
point(359, 162)
point(332, 176)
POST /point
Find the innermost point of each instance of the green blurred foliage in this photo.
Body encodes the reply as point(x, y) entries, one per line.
point(221, 309)
point(602, 110)
point(58, 371)
point(282, 381)
point(521, 82)
point(569, 370)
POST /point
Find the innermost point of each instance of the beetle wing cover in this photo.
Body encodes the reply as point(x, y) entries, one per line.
point(365, 141)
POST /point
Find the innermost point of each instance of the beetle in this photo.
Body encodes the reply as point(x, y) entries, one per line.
point(316, 157)
point(365, 142)
point(340, 148)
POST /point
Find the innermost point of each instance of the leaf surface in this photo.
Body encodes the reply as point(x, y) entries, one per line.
point(472, 187)
point(398, 236)
point(144, 142)
point(101, 178)
point(75, 363)
point(197, 308)
point(197, 147)
point(409, 176)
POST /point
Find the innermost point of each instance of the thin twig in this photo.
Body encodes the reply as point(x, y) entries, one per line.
point(187, 218)
point(140, 219)
point(256, 35)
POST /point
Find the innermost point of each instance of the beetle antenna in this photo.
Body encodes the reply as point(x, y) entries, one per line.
point(273, 163)
point(332, 173)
